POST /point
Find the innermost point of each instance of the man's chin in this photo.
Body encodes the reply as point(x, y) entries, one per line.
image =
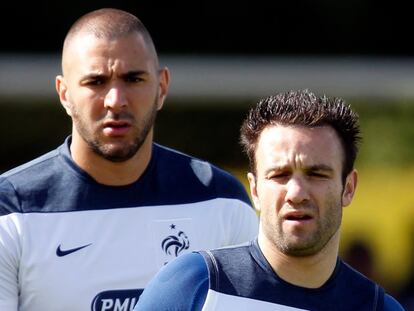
point(117, 155)
point(116, 158)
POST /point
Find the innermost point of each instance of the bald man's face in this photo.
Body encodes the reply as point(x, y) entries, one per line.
point(112, 89)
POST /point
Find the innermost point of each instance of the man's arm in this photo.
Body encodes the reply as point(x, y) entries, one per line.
point(10, 248)
point(180, 285)
point(390, 304)
point(8, 265)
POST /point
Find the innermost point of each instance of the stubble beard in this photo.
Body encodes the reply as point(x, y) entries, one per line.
point(128, 150)
point(309, 243)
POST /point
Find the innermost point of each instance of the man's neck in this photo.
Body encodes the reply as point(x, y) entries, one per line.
point(114, 173)
point(307, 271)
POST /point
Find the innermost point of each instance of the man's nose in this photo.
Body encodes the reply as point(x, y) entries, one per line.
point(115, 98)
point(297, 191)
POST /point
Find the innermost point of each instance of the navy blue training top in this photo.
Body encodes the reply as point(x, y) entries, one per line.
point(240, 278)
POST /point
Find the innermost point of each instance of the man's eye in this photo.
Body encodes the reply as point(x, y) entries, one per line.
point(95, 82)
point(133, 79)
point(279, 176)
point(317, 175)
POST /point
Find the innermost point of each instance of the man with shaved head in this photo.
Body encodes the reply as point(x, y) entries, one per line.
point(85, 226)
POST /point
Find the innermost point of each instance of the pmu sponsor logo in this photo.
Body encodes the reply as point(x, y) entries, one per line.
point(116, 300)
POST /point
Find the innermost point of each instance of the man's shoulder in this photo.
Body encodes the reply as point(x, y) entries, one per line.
point(391, 304)
point(27, 179)
point(32, 167)
point(231, 251)
point(238, 263)
point(186, 274)
point(348, 274)
point(198, 172)
point(361, 284)
point(181, 160)
point(181, 266)
point(36, 168)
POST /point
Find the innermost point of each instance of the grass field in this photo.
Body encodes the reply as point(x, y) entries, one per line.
point(382, 216)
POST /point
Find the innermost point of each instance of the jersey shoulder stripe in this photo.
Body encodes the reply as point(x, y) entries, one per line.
point(54, 183)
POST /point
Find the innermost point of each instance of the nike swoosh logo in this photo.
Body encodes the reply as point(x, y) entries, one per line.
point(61, 253)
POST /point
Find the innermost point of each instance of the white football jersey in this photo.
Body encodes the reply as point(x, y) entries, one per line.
point(69, 243)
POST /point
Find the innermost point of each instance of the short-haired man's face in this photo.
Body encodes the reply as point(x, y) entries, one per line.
point(298, 187)
point(112, 89)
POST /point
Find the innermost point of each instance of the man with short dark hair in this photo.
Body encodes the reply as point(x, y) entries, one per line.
point(86, 226)
point(302, 150)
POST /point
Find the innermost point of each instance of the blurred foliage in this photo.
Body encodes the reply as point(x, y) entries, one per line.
point(388, 133)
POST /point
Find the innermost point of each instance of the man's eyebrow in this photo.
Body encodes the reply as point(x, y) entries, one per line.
point(278, 168)
point(134, 73)
point(286, 168)
point(320, 167)
point(93, 75)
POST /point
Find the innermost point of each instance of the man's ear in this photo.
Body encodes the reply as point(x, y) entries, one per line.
point(253, 190)
point(349, 188)
point(164, 82)
point(63, 92)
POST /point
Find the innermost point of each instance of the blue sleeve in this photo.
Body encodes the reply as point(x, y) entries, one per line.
point(390, 304)
point(180, 285)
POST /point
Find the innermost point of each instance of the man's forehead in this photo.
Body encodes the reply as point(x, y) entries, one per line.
point(82, 36)
point(284, 144)
point(301, 132)
point(90, 48)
